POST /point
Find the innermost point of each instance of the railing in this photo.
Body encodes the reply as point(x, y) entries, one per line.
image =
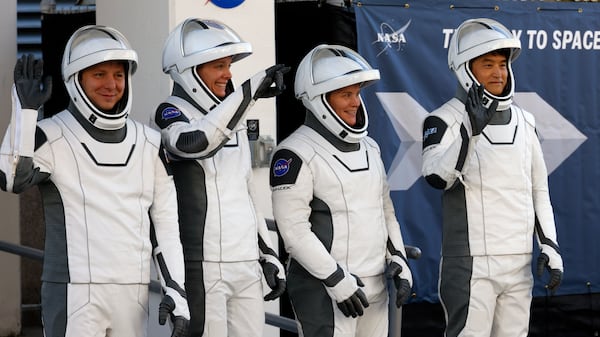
point(280, 322)
point(283, 323)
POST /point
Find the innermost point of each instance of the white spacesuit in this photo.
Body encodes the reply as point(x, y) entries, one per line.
point(225, 237)
point(495, 194)
point(332, 205)
point(108, 197)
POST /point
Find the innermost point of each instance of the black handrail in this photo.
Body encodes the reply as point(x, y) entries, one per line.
point(29, 252)
point(281, 322)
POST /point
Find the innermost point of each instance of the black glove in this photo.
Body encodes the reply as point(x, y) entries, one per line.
point(479, 115)
point(28, 80)
point(274, 282)
point(180, 324)
point(353, 305)
point(272, 84)
point(403, 288)
point(555, 274)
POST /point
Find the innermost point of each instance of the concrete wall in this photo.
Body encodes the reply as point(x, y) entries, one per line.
point(10, 293)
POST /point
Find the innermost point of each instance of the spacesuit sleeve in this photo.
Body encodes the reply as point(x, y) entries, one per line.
point(197, 138)
point(292, 191)
point(168, 252)
point(17, 171)
point(267, 250)
point(446, 147)
point(545, 225)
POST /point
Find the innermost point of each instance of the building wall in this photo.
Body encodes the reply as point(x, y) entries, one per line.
point(147, 23)
point(10, 293)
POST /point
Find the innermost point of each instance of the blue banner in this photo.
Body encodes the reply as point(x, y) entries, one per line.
point(556, 79)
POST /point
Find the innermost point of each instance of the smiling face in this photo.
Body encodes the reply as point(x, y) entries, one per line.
point(491, 70)
point(345, 102)
point(215, 75)
point(104, 83)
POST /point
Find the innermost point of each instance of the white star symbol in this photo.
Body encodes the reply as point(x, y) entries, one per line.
point(559, 138)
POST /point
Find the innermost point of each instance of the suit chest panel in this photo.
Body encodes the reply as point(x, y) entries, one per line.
point(353, 176)
point(94, 169)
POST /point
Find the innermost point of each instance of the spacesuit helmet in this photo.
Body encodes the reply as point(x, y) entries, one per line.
point(327, 68)
point(477, 37)
point(198, 41)
point(88, 46)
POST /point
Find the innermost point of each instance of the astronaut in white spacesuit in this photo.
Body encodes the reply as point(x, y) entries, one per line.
point(226, 242)
point(484, 153)
point(109, 199)
point(332, 204)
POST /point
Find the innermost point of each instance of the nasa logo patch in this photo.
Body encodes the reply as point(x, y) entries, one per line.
point(281, 167)
point(170, 112)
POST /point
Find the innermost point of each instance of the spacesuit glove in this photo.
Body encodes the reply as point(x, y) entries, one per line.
point(551, 260)
point(28, 82)
point(269, 82)
point(180, 327)
point(344, 288)
point(402, 282)
point(353, 305)
point(274, 276)
point(175, 306)
point(479, 115)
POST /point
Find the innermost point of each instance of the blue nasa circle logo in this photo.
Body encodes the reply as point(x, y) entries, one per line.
point(281, 167)
point(170, 112)
point(227, 3)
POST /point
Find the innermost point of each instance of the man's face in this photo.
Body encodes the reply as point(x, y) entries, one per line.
point(491, 70)
point(104, 83)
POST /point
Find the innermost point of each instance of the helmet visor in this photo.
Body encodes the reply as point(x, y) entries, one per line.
point(337, 67)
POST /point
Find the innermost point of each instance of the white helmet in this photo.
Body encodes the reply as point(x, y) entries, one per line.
point(90, 45)
point(198, 41)
point(477, 37)
point(327, 68)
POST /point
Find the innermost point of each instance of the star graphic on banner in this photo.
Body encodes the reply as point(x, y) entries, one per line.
point(559, 138)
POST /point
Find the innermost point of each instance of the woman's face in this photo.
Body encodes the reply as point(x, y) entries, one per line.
point(215, 75)
point(345, 102)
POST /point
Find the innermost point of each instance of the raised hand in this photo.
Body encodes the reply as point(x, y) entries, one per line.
point(272, 83)
point(479, 115)
point(28, 82)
